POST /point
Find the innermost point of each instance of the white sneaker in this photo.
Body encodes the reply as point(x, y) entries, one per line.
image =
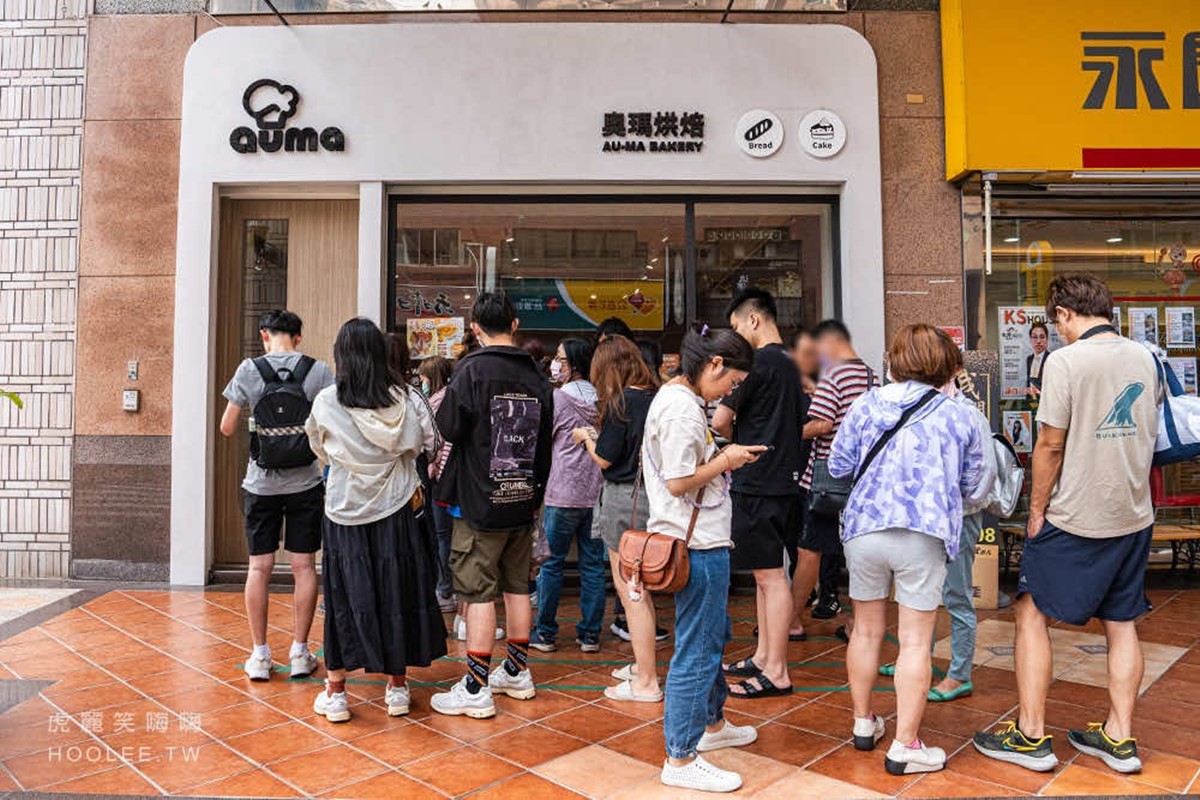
point(460, 629)
point(304, 665)
point(458, 701)
point(701, 776)
point(258, 668)
point(904, 760)
point(518, 687)
point(868, 731)
point(729, 736)
point(397, 699)
point(332, 707)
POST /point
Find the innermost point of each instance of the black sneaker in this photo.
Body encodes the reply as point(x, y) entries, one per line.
point(1121, 756)
point(1009, 744)
point(661, 634)
point(620, 629)
point(539, 642)
point(826, 608)
point(588, 642)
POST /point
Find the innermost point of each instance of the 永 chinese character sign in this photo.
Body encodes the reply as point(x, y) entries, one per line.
point(576, 305)
point(1070, 85)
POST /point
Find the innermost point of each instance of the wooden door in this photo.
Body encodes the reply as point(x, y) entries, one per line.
point(302, 254)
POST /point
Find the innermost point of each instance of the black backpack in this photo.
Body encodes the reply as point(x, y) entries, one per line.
point(277, 436)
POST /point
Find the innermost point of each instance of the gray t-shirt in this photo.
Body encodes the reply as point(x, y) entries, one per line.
point(245, 389)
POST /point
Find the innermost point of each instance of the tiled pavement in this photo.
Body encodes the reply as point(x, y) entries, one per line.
point(148, 698)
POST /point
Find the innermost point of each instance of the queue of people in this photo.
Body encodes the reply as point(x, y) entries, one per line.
point(429, 501)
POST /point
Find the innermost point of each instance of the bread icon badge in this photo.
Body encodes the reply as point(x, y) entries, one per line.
point(759, 133)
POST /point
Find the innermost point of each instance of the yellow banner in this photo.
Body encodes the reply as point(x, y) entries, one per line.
point(1071, 85)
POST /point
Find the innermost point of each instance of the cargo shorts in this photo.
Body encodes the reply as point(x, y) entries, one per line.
point(486, 564)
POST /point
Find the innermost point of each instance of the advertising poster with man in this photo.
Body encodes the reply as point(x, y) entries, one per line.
point(1026, 339)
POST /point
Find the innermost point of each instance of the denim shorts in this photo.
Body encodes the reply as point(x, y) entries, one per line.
point(1074, 578)
point(914, 562)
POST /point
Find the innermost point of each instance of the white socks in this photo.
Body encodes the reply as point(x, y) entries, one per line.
point(298, 649)
point(262, 651)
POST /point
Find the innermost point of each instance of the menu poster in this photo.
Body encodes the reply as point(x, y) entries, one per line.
point(1185, 370)
point(435, 336)
point(1143, 325)
point(1024, 332)
point(1018, 427)
point(1181, 328)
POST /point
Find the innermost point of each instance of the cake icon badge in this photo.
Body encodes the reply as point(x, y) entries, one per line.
point(822, 133)
point(759, 133)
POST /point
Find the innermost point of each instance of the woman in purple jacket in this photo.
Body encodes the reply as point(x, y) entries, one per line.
point(571, 494)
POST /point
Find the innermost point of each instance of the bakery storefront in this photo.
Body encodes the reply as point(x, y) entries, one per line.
point(1075, 142)
point(394, 171)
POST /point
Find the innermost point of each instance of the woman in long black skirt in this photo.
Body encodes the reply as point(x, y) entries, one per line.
point(379, 565)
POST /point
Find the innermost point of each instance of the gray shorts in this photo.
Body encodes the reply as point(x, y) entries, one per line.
point(615, 509)
point(915, 562)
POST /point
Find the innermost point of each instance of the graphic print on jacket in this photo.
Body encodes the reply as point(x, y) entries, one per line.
point(515, 421)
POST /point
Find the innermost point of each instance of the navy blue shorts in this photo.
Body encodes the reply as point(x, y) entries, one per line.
point(1074, 578)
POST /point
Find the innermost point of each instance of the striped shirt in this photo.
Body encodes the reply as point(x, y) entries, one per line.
point(838, 388)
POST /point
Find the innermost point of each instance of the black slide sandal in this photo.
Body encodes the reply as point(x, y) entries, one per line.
point(764, 689)
point(746, 668)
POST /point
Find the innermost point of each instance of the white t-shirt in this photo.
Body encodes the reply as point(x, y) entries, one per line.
point(677, 441)
point(1103, 391)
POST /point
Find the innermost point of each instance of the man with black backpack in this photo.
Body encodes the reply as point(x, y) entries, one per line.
point(283, 481)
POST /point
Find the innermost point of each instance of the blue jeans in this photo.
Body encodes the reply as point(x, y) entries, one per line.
point(562, 525)
point(696, 691)
point(443, 526)
point(958, 595)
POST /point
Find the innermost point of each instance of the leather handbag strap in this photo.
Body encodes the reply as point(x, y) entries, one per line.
point(637, 484)
point(887, 436)
point(695, 515)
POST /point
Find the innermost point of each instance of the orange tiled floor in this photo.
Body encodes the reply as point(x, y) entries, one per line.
point(148, 698)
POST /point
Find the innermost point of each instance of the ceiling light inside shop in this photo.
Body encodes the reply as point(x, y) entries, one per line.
point(516, 259)
point(1115, 239)
point(649, 266)
point(1012, 239)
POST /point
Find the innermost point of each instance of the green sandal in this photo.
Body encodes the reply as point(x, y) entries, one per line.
point(888, 670)
point(937, 696)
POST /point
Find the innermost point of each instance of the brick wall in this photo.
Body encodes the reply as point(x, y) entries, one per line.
point(42, 58)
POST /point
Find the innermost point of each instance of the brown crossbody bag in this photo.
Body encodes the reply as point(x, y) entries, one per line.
point(658, 562)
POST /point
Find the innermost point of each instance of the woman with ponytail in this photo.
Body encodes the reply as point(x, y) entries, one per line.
point(687, 481)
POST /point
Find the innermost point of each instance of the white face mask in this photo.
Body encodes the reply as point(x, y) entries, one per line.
point(559, 372)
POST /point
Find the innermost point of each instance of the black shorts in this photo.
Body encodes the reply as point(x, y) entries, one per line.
point(1073, 578)
point(265, 514)
point(764, 526)
point(821, 534)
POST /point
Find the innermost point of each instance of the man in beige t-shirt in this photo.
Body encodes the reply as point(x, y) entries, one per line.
point(1090, 523)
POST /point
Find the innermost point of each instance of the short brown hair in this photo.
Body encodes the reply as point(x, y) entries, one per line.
point(1086, 295)
point(919, 353)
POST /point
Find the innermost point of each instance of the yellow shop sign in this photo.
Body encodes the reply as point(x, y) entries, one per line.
point(1071, 85)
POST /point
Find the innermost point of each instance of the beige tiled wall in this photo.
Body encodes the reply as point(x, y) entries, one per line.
point(42, 60)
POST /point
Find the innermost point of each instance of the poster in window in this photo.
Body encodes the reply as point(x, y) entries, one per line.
point(1026, 338)
point(1184, 368)
point(1143, 325)
point(435, 336)
point(1116, 319)
point(1018, 427)
point(1181, 328)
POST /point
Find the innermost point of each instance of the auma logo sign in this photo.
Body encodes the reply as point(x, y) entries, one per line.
point(271, 104)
